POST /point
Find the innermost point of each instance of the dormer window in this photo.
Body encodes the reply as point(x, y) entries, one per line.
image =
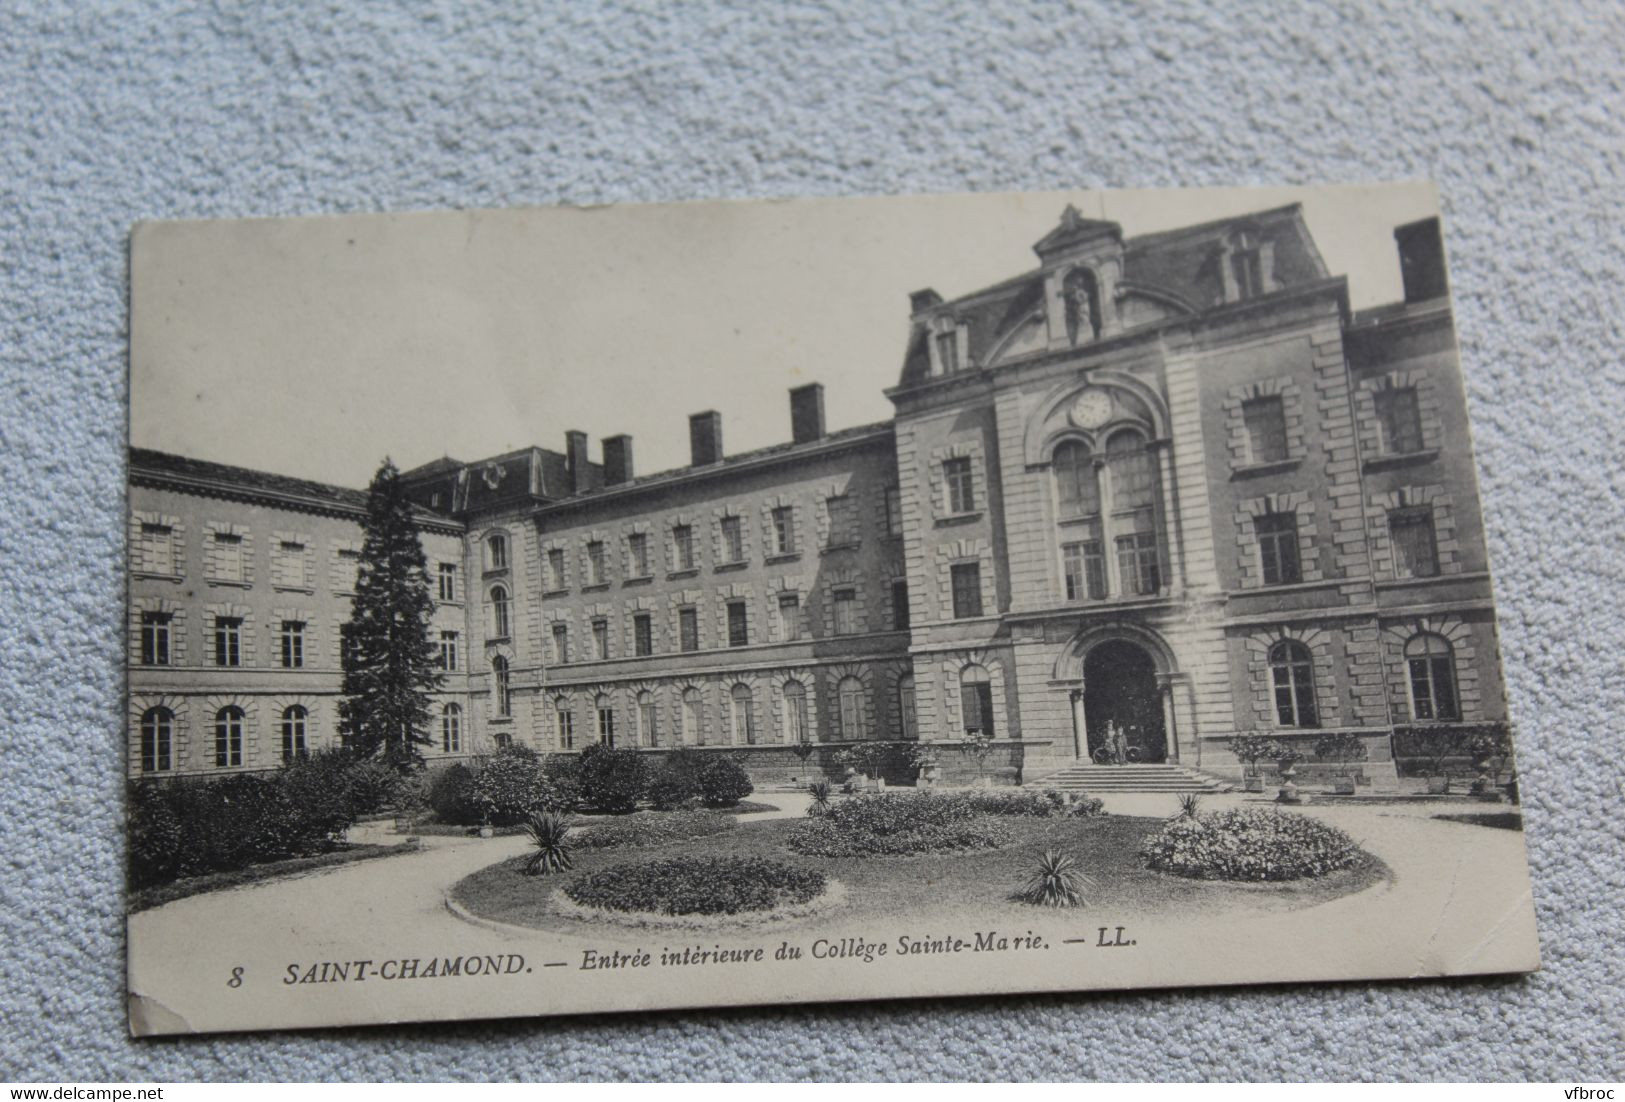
point(949, 353)
point(1247, 262)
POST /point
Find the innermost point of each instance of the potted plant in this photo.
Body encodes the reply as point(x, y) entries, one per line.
point(1344, 749)
point(1287, 757)
point(803, 750)
point(1435, 744)
point(923, 758)
point(868, 759)
point(1249, 751)
point(1489, 746)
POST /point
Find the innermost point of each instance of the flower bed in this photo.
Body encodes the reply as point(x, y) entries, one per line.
point(1048, 803)
point(697, 886)
point(1249, 844)
point(652, 828)
point(897, 824)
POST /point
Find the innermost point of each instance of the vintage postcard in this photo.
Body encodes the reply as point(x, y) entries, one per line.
point(572, 610)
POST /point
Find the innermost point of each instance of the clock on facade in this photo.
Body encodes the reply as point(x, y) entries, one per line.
point(1092, 408)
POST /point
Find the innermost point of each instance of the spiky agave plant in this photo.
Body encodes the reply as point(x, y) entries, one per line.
point(1058, 880)
point(549, 832)
point(1189, 804)
point(819, 791)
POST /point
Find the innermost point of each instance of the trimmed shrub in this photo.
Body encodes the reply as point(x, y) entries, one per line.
point(676, 781)
point(1249, 844)
point(897, 824)
point(509, 787)
point(188, 827)
point(648, 828)
point(610, 780)
point(697, 886)
point(451, 795)
point(560, 785)
point(374, 784)
point(723, 782)
point(1022, 802)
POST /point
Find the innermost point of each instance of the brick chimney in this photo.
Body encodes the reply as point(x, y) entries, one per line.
point(807, 413)
point(575, 459)
point(617, 459)
point(705, 438)
point(921, 301)
point(1421, 260)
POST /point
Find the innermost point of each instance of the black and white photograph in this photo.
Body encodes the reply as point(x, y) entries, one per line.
point(559, 610)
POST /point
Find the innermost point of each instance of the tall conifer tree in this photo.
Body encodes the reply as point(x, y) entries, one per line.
point(389, 663)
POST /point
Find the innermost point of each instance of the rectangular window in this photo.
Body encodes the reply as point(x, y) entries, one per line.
point(842, 514)
point(155, 638)
point(1248, 270)
point(643, 635)
point(228, 557)
point(976, 704)
point(600, 640)
point(606, 725)
point(1084, 567)
point(288, 564)
point(228, 641)
point(733, 540)
point(956, 474)
point(789, 617)
point(555, 568)
point(784, 530)
point(1137, 563)
point(637, 554)
point(156, 551)
point(688, 629)
point(1401, 419)
point(899, 604)
point(1433, 688)
point(948, 351)
point(682, 542)
point(894, 511)
point(1266, 429)
point(349, 568)
point(561, 644)
point(448, 650)
point(1278, 548)
point(967, 586)
point(446, 580)
point(1416, 553)
point(566, 728)
point(738, 631)
point(595, 563)
point(846, 612)
point(292, 640)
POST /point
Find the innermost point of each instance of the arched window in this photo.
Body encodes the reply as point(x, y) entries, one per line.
point(499, 612)
point(496, 551)
point(648, 720)
point(451, 729)
point(1432, 666)
point(1292, 671)
point(228, 737)
point(976, 701)
point(851, 697)
point(1076, 489)
point(693, 718)
point(501, 690)
point(795, 712)
point(1134, 483)
point(905, 707)
point(744, 722)
point(293, 732)
point(564, 724)
point(606, 719)
point(157, 740)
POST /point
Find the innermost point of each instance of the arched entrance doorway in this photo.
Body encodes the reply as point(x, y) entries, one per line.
point(1120, 688)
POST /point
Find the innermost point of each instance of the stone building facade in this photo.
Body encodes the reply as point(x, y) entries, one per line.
point(1160, 489)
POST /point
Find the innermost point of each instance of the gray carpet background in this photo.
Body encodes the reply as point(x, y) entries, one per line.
point(111, 113)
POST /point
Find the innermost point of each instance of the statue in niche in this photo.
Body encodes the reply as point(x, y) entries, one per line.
point(1080, 297)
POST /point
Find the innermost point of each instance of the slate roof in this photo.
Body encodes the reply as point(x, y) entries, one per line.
point(250, 482)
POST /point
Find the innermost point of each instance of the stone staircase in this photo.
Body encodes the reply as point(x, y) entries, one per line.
point(1096, 779)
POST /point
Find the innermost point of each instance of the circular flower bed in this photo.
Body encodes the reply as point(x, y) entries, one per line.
point(900, 825)
point(652, 828)
point(1249, 844)
point(697, 886)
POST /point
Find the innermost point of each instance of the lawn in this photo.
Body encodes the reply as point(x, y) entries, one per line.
point(975, 885)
